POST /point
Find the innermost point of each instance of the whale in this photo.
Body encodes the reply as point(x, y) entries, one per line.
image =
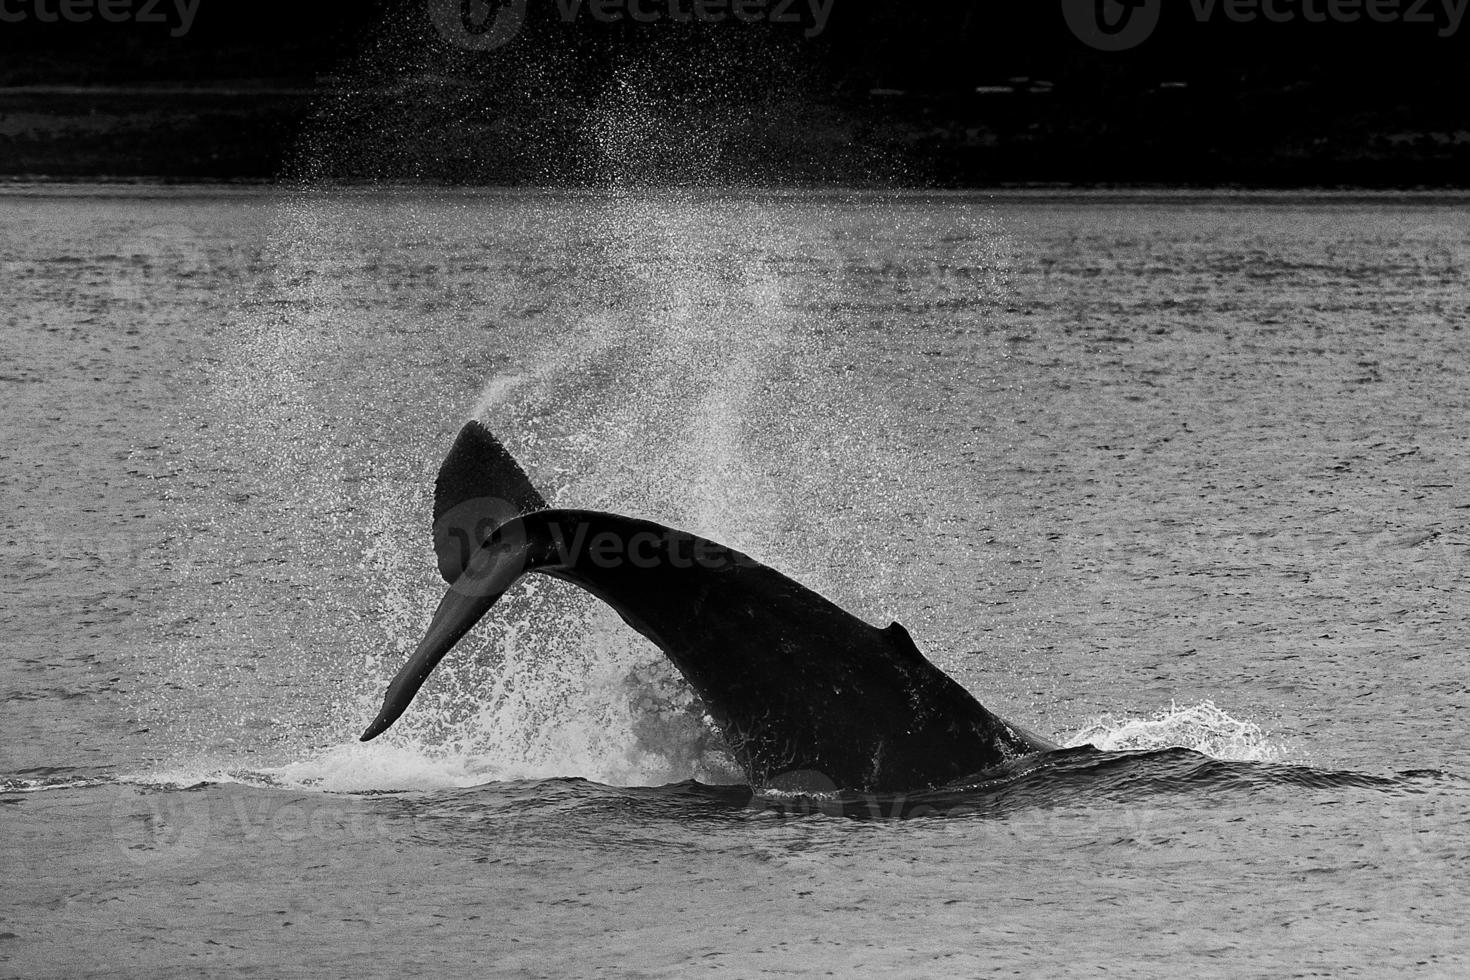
point(807, 697)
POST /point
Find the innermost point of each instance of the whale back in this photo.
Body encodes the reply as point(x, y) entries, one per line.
point(796, 684)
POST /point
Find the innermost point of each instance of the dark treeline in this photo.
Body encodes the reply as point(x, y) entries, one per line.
point(937, 92)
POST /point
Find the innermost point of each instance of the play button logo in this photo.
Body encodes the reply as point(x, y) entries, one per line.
point(1112, 25)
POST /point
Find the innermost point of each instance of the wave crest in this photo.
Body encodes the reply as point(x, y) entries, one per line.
point(1202, 727)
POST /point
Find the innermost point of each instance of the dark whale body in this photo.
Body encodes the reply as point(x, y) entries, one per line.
point(806, 695)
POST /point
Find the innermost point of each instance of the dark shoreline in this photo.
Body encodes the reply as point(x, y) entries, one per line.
point(279, 130)
point(944, 94)
point(76, 187)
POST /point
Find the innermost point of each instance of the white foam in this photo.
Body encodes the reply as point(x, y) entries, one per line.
point(42, 785)
point(382, 766)
point(402, 763)
point(359, 767)
point(1202, 727)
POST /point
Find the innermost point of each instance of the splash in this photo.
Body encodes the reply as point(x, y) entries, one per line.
point(358, 768)
point(706, 360)
point(703, 358)
point(1201, 727)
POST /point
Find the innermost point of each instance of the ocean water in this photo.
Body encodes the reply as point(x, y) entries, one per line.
point(1179, 476)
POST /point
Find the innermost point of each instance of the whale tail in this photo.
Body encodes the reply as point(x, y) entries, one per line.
point(795, 683)
point(480, 487)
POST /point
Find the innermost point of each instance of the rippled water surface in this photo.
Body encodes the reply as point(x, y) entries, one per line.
point(1181, 477)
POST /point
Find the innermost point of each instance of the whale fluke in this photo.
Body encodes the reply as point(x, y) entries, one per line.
point(800, 688)
point(480, 487)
